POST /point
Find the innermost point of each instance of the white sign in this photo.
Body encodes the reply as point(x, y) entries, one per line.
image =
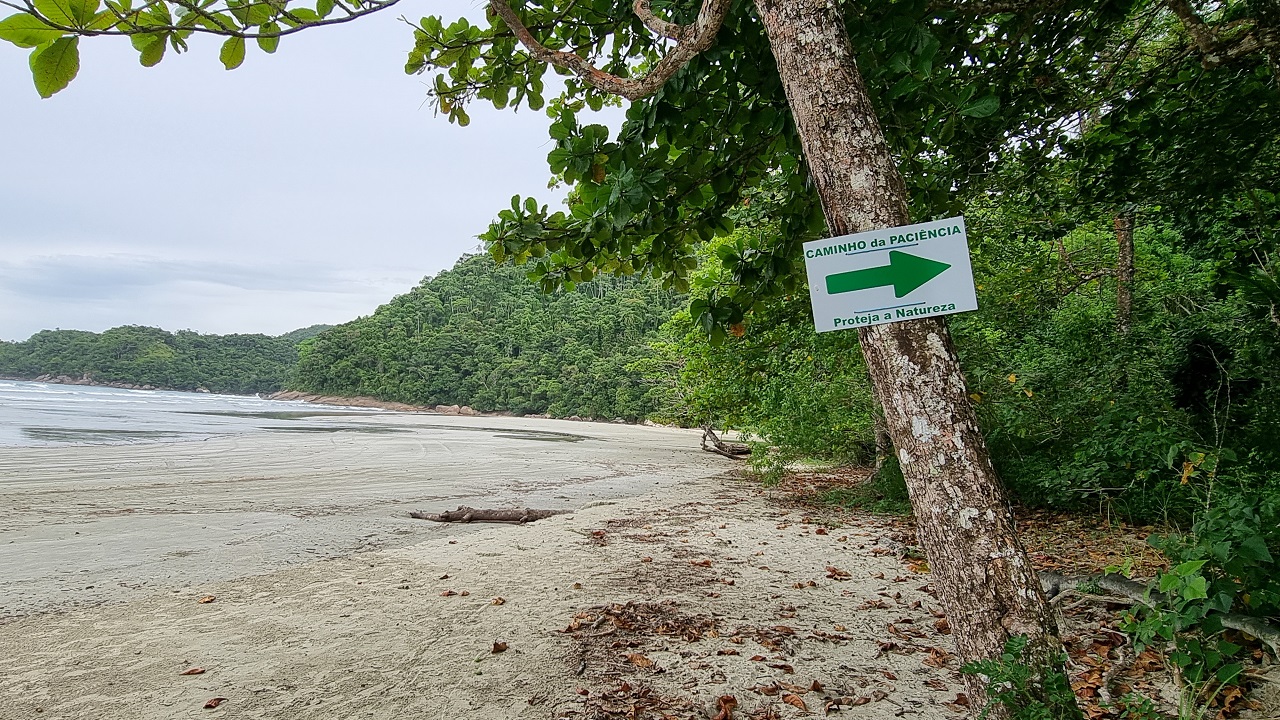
point(888, 275)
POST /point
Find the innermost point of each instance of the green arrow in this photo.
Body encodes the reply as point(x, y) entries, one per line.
point(905, 272)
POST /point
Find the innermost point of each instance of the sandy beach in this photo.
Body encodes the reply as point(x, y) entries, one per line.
point(671, 586)
point(85, 524)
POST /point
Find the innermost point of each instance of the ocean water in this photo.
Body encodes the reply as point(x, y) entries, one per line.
point(34, 414)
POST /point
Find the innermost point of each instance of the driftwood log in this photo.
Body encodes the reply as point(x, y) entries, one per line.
point(712, 443)
point(466, 514)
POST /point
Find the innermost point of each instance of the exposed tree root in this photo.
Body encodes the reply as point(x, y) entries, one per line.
point(1054, 584)
point(1058, 587)
point(1124, 660)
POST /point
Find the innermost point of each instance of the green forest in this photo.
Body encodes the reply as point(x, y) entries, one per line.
point(484, 336)
point(185, 360)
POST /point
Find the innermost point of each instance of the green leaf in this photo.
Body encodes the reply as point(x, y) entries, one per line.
point(1195, 589)
point(269, 44)
point(1168, 581)
point(1255, 548)
point(324, 7)
point(982, 107)
point(150, 47)
point(104, 20)
point(1211, 625)
point(151, 55)
point(55, 65)
point(1229, 648)
point(27, 31)
point(416, 63)
point(1189, 568)
point(232, 54)
point(258, 13)
point(75, 13)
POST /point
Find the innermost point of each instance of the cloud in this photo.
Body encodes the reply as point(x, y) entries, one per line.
point(94, 293)
point(305, 187)
point(115, 276)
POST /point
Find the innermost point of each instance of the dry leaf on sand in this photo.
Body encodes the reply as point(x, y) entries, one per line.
point(795, 700)
point(725, 704)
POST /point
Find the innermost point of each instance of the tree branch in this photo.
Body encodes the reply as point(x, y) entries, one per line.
point(132, 28)
point(1203, 36)
point(1210, 41)
point(655, 23)
point(693, 39)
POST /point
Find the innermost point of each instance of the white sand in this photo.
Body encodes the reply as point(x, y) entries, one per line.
point(82, 525)
point(367, 633)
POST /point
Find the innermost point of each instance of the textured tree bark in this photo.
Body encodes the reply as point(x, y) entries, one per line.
point(981, 572)
point(884, 444)
point(1124, 271)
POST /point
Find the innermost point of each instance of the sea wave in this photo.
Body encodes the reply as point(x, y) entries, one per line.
point(48, 414)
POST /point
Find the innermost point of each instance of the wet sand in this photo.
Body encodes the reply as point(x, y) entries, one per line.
point(86, 525)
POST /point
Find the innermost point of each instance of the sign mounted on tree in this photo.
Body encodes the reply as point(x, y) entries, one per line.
point(888, 275)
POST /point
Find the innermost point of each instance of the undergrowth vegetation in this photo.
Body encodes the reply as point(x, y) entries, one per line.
point(1153, 423)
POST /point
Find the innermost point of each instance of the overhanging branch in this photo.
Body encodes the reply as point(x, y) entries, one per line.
point(655, 23)
point(128, 22)
point(690, 40)
point(1224, 42)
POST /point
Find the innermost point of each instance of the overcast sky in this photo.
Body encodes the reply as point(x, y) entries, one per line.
point(305, 187)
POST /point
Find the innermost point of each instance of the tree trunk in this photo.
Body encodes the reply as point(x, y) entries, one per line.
point(884, 444)
point(1124, 271)
point(981, 572)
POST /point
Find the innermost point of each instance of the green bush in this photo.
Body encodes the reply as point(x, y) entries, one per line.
point(800, 394)
point(1147, 423)
point(1238, 542)
point(1024, 691)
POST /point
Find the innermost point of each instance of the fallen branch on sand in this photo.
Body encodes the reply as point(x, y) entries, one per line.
point(736, 451)
point(466, 514)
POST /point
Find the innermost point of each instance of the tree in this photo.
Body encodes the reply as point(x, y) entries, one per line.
point(983, 577)
point(515, 349)
point(726, 97)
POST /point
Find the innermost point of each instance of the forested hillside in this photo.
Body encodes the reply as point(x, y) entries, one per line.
point(483, 335)
point(136, 355)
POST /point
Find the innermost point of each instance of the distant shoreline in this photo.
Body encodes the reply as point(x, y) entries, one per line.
point(86, 381)
point(356, 401)
point(360, 401)
point(365, 401)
